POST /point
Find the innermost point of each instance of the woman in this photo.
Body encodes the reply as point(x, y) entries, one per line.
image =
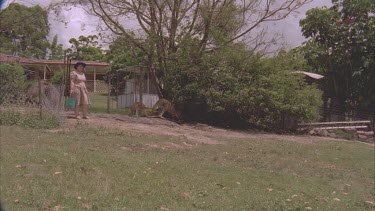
point(78, 89)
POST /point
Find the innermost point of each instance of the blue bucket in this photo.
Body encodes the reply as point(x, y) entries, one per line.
point(70, 102)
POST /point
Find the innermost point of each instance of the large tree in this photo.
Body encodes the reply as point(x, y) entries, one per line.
point(122, 53)
point(56, 50)
point(163, 26)
point(342, 47)
point(86, 48)
point(23, 31)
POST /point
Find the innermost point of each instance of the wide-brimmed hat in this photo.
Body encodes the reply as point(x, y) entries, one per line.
point(79, 63)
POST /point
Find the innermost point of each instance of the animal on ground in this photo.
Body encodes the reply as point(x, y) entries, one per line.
point(137, 108)
point(163, 106)
point(50, 94)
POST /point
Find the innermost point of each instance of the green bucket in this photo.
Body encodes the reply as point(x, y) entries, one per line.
point(70, 102)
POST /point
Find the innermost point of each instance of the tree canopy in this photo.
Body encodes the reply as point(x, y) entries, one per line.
point(342, 47)
point(165, 25)
point(122, 54)
point(56, 50)
point(24, 30)
point(207, 57)
point(86, 48)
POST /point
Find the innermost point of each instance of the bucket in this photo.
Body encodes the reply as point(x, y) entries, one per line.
point(70, 102)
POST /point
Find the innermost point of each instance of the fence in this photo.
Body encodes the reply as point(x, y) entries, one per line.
point(128, 92)
point(338, 125)
point(126, 100)
point(97, 86)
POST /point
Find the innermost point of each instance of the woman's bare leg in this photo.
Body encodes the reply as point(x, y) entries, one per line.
point(76, 114)
point(84, 110)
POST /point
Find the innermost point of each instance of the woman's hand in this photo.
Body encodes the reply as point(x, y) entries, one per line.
point(71, 87)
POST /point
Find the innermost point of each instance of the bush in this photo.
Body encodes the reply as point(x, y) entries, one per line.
point(12, 84)
point(57, 78)
point(233, 87)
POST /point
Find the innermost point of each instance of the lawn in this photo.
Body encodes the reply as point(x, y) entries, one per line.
point(99, 104)
point(103, 169)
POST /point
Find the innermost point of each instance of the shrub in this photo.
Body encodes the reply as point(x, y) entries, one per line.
point(57, 78)
point(234, 87)
point(12, 84)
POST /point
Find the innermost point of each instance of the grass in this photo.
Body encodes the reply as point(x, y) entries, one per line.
point(99, 104)
point(30, 119)
point(102, 169)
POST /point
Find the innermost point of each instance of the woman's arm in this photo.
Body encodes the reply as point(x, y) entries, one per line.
point(72, 78)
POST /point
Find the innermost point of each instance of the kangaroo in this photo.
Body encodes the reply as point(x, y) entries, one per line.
point(49, 92)
point(136, 108)
point(162, 106)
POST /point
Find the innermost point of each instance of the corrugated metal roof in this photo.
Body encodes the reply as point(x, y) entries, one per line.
point(16, 59)
point(311, 75)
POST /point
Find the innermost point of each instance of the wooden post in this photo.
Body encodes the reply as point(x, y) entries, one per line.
point(117, 89)
point(94, 80)
point(141, 77)
point(148, 82)
point(40, 95)
point(44, 72)
point(372, 125)
point(109, 91)
point(134, 87)
point(67, 80)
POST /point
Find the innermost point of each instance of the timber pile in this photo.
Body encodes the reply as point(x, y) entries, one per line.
point(352, 130)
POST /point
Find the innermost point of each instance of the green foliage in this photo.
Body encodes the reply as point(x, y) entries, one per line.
point(12, 84)
point(23, 31)
point(57, 77)
point(342, 47)
point(229, 85)
point(86, 48)
point(56, 50)
point(234, 87)
point(291, 98)
point(224, 26)
point(122, 53)
point(10, 118)
point(31, 120)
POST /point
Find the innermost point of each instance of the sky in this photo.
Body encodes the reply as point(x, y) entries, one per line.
point(79, 23)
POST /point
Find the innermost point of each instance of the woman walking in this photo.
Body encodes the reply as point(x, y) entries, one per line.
point(78, 90)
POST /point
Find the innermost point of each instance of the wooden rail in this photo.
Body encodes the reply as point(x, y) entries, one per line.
point(337, 125)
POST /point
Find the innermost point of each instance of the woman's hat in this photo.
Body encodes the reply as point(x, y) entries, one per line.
point(79, 63)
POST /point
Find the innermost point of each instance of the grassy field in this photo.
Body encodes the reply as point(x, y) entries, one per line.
point(99, 104)
point(111, 170)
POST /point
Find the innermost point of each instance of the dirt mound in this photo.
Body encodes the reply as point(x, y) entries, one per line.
point(189, 134)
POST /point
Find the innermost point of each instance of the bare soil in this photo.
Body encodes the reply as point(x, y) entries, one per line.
point(190, 134)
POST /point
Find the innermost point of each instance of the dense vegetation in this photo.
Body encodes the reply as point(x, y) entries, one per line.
point(24, 30)
point(233, 86)
point(342, 47)
point(216, 74)
point(12, 84)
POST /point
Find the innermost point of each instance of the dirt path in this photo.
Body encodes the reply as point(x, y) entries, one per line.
point(190, 134)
